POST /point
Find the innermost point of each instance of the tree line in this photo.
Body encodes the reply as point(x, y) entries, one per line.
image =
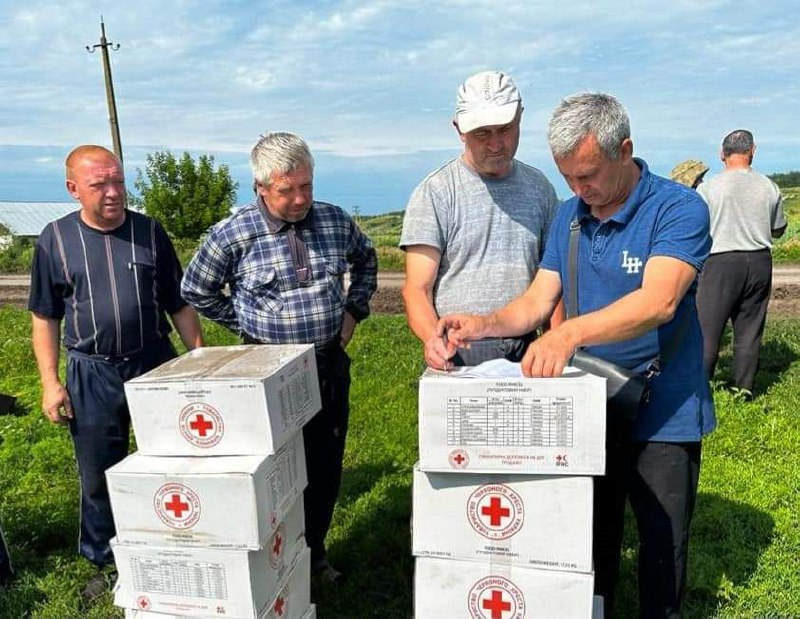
point(188, 196)
point(786, 179)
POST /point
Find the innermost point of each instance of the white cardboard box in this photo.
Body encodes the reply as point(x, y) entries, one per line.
point(172, 582)
point(527, 520)
point(224, 400)
point(220, 502)
point(542, 426)
point(448, 588)
point(311, 613)
point(294, 592)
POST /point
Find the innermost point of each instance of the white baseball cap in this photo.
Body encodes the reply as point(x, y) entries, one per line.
point(486, 98)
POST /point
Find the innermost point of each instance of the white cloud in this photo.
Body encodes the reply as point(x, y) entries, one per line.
point(377, 78)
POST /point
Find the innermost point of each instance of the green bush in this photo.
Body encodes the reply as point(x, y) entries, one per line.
point(18, 256)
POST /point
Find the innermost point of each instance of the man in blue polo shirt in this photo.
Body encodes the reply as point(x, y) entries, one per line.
point(112, 276)
point(642, 241)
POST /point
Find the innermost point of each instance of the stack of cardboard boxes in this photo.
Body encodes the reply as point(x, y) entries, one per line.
point(502, 499)
point(209, 511)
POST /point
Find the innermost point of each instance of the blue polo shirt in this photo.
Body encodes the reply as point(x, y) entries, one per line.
point(659, 218)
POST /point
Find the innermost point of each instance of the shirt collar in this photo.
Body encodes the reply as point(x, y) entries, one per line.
point(275, 224)
point(635, 198)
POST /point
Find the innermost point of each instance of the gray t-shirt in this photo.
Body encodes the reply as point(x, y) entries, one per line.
point(490, 233)
point(745, 208)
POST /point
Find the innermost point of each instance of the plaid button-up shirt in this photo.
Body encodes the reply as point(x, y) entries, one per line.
point(267, 301)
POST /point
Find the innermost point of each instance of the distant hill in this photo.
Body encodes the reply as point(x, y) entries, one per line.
point(384, 230)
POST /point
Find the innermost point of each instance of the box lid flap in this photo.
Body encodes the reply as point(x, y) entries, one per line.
point(226, 363)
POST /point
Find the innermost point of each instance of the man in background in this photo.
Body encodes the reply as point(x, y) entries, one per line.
point(474, 230)
point(284, 257)
point(112, 276)
point(746, 214)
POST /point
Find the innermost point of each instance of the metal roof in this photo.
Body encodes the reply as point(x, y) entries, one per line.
point(30, 218)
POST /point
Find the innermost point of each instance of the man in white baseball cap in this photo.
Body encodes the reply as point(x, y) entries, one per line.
point(474, 229)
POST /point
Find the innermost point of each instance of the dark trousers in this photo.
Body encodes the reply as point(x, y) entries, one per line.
point(735, 286)
point(324, 437)
point(479, 351)
point(324, 440)
point(100, 430)
point(6, 573)
point(660, 481)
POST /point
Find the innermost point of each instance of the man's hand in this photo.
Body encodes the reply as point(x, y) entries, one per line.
point(437, 354)
point(458, 330)
point(348, 328)
point(56, 403)
point(548, 355)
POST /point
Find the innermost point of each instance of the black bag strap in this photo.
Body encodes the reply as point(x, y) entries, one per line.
point(669, 351)
point(572, 266)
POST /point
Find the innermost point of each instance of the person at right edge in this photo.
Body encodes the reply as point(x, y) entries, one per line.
point(642, 241)
point(746, 214)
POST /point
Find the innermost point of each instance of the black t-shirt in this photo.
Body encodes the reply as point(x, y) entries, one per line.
point(113, 289)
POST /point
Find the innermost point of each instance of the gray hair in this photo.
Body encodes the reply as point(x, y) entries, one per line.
point(585, 113)
point(278, 152)
point(737, 142)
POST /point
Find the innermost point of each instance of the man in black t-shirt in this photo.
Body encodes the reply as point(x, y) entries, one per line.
point(112, 276)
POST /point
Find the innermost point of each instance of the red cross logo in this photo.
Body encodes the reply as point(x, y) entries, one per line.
point(496, 597)
point(458, 458)
point(495, 511)
point(277, 544)
point(176, 506)
point(280, 604)
point(201, 425)
point(143, 602)
point(496, 605)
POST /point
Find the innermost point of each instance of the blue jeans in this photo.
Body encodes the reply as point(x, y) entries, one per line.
point(660, 481)
point(100, 434)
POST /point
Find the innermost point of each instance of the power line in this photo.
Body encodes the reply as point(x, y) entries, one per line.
point(112, 105)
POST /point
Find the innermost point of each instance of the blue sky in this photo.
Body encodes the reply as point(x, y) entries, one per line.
point(371, 84)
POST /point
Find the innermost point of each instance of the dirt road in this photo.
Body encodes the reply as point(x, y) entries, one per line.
point(785, 299)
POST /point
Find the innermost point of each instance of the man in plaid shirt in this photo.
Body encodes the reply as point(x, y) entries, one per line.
point(284, 258)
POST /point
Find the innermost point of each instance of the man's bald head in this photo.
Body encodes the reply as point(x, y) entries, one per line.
point(95, 178)
point(88, 152)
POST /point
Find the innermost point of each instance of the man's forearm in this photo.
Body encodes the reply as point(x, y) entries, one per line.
point(46, 347)
point(631, 316)
point(187, 323)
point(520, 316)
point(420, 313)
point(216, 307)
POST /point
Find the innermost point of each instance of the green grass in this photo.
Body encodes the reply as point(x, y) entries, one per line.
point(745, 549)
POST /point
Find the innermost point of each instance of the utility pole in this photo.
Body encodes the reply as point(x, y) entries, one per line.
point(112, 106)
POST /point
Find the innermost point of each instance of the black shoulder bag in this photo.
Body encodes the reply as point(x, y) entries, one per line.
point(626, 390)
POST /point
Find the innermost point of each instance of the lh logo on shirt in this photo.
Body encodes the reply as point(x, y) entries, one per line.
point(630, 263)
